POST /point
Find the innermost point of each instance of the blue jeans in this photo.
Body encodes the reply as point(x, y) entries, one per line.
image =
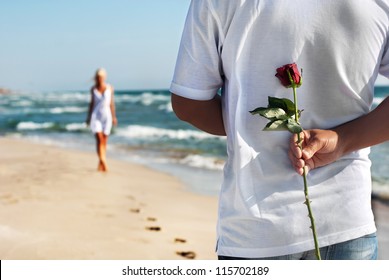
point(363, 248)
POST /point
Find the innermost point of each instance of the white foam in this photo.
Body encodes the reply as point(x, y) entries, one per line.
point(166, 107)
point(142, 132)
point(146, 98)
point(199, 161)
point(33, 125)
point(61, 110)
point(378, 100)
point(65, 96)
point(381, 189)
point(22, 103)
point(76, 126)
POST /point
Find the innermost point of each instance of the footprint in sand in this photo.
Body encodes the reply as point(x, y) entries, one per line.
point(130, 197)
point(187, 254)
point(12, 201)
point(151, 219)
point(135, 210)
point(179, 240)
point(8, 199)
point(154, 228)
point(5, 196)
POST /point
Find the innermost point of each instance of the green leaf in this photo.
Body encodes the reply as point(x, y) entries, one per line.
point(273, 114)
point(289, 106)
point(275, 102)
point(277, 125)
point(270, 113)
point(293, 126)
point(284, 103)
point(258, 110)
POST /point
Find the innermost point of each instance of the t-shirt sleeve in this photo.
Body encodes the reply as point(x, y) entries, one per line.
point(198, 73)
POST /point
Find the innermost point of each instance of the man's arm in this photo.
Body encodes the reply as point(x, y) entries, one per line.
point(322, 147)
point(205, 115)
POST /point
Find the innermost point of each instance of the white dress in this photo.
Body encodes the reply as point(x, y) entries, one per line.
point(101, 119)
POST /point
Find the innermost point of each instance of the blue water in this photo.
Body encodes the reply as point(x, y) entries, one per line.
point(148, 132)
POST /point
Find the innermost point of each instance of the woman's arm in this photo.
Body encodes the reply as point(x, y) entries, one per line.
point(90, 108)
point(113, 108)
point(322, 147)
point(205, 115)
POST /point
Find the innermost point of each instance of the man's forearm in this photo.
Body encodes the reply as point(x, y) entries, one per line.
point(366, 131)
point(205, 115)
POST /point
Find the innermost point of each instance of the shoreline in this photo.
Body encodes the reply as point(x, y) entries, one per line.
point(198, 180)
point(55, 205)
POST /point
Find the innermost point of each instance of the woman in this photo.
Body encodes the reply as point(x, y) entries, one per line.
point(101, 115)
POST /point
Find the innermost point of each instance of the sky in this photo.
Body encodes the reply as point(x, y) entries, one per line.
point(58, 44)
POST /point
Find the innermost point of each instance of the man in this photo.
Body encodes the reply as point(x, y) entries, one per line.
point(236, 46)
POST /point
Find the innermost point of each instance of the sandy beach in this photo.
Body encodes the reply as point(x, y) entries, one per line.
point(54, 205)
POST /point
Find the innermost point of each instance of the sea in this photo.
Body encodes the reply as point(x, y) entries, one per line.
point(148, 133)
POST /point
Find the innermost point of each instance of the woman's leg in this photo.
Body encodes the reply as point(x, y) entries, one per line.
point(101, 147)
point(104, 152)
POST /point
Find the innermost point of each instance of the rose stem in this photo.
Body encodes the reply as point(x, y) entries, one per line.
point(307, 201)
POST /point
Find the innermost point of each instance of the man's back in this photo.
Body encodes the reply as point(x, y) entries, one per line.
point(237, 45)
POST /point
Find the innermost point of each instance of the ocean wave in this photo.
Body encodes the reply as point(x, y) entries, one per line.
point(62, 96)
point(61, 110)
point(142, 132)
point(381, 190)
point(76, 127)
point(199, 161)
point(54, 111)
point(22, 103)
point(33, 125)
point(377, 100)
point(145, 98)
point(166, 107)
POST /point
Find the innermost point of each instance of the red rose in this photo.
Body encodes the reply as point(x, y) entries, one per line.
point(289, 75)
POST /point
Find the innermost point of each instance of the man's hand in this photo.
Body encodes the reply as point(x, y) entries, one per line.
point(320, 147)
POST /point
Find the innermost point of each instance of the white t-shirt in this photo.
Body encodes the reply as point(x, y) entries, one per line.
point(237, 46)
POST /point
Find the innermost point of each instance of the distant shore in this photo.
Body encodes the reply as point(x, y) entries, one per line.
point(54, 205)
point(5, 91)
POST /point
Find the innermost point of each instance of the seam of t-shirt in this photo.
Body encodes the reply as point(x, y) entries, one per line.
point(192, 93)
point(217, 19)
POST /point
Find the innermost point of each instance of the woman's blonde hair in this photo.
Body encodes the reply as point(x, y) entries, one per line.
point(101, 72)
